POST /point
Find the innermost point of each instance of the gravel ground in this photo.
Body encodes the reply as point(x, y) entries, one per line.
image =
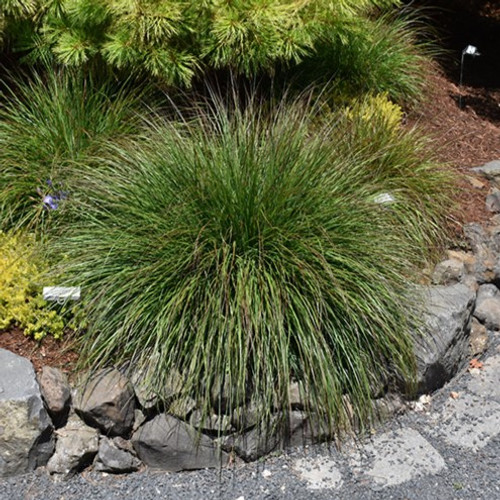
point(465, 472)
point(466, 477)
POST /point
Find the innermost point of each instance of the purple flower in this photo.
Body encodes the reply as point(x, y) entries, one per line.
point(51, 202)
point(53, 198)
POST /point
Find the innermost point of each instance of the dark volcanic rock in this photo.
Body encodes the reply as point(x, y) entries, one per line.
point(169, 444)
point(107, 402)
point(56, 393)
point(116, 455)
point(76, 447)
point(443, 347)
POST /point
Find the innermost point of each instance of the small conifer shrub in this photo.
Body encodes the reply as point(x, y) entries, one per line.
point(22, 270)
point(176, 41)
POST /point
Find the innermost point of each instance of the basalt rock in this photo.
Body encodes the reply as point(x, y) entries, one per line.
point(116, 456)
point(77, 445)
point(442, 347)
point(169, 444)
point(56, 393)
point(487, 309)
point(26, 439)
point(107, 402)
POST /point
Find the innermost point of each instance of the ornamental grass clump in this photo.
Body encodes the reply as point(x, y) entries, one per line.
point(49, 120)
point(375, 55)
point(241, 250)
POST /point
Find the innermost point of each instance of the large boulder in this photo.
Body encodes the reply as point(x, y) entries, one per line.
point(26, 440)
point(442, 347)
point(107, 402)
point(77, 445)
point(169, 444)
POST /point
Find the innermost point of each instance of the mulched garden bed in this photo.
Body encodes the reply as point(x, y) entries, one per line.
point(49, 352)
point(462, 137)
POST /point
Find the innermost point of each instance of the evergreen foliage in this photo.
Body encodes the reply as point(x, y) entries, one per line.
point(176, 40)
point(21, 302)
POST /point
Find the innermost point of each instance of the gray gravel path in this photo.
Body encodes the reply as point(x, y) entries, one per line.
point(447, 448)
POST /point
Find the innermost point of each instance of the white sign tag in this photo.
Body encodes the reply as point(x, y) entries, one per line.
point(471, 50)
point(61, 294)
point(384, 198)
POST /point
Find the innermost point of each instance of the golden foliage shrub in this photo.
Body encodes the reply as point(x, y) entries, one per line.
point(21, 300)
point(377, 109)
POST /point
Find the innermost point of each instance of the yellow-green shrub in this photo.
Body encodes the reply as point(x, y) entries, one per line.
point(377, 109)
point(21, 301)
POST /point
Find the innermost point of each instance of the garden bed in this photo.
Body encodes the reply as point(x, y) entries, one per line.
point(461, 137)
point(48, 352)
point(246, 242)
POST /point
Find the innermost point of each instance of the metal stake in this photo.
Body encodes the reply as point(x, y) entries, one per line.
point(470, 50)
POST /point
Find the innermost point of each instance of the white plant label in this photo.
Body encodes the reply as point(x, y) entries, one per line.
point(471, 50)
point(384, 198)
point(61, 294)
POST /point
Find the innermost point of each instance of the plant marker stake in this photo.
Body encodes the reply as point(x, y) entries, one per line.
point(384, 199)
point(470, 50)
point(61, 294)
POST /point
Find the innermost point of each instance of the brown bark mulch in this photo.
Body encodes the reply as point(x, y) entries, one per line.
point(48, 352)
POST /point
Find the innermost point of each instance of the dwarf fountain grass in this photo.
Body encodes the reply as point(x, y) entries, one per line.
point(242, 250)
point(47, 121)
point(383, 55)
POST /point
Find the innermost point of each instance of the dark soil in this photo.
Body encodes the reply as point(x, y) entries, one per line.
point(49, 352)
point(463, 136)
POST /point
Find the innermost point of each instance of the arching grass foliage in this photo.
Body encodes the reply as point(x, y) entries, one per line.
point(246, 249)
point(48, 120)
